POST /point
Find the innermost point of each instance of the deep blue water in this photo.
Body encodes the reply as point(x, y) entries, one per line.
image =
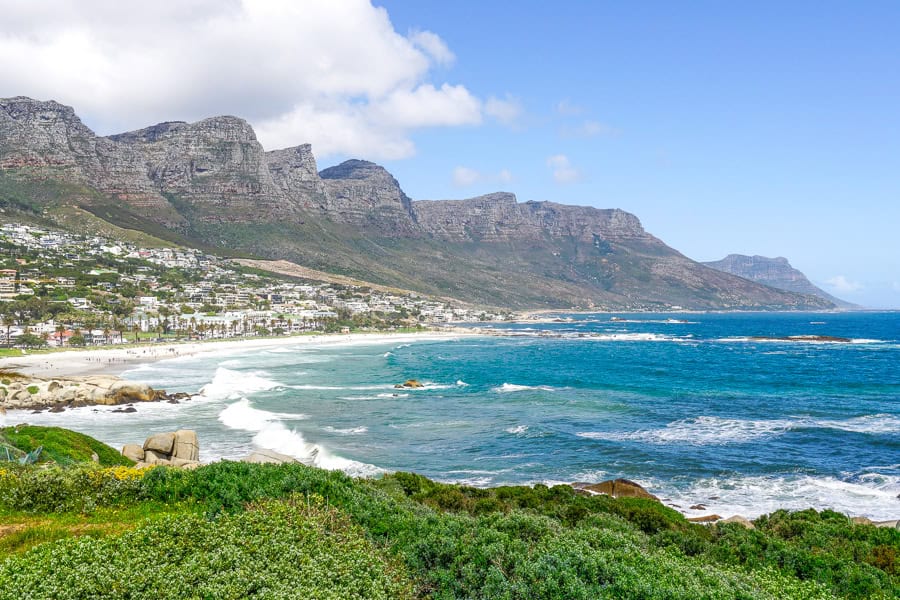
point(695, 411)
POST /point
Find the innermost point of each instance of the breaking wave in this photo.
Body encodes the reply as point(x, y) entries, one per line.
point(273, 434)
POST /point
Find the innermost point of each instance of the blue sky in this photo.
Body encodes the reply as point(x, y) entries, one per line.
point(766, 128)
point(762, 128)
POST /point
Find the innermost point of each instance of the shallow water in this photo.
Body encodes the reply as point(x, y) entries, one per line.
point(697, 411)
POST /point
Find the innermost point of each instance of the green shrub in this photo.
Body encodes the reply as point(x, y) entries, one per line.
point(33, 389)
point(296, 549)
point(61, 445)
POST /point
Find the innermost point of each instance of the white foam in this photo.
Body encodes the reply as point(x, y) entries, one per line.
point(507, 388)
point(871, 495)
point(699, 431)
point(461, 383)
point(347, 430)
point(241, 415)
point(273, 434)
point(387, 354)
point(517, 430)
point(228, 384)
point(707, 431)
point(881, 423)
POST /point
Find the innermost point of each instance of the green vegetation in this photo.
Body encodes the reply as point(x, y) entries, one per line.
point(61, 446)
point(234, 530)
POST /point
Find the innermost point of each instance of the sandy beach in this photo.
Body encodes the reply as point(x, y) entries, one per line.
point(114, 360)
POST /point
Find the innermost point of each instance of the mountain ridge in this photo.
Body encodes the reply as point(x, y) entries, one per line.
point(212, 182)
point(776, 272)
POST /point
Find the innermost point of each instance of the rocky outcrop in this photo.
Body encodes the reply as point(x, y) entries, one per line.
point(499, 217)
point(47, 140)
point(775, 272)
point(269, 457)
point(617, 488)
point(31, 393)
point(364, 194)
point(295, 173)
point(172, 449)
point(409, 383)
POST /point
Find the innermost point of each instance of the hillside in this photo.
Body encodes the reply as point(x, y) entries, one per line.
point(211, 184)
point(236, 530)
point(777, 273)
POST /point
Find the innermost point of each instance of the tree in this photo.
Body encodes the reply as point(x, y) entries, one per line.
point(30, 340)
point(9, 319)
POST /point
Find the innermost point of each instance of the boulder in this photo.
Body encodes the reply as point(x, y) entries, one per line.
point(152, 457)
point(133, 452)
point(123, 392)
point(263, 456)
point(185, 464)
point(410, 383)
point(54, 386)
point(186, 446)
point(894, 524)
point(861, 521)
point(619, 488)
point(743, 521)
point(706, 519)
point(160, 442)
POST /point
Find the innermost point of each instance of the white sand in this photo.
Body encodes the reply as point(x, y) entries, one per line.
point(113, 360)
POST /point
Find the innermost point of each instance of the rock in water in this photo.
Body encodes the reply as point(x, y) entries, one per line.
point(410, 383)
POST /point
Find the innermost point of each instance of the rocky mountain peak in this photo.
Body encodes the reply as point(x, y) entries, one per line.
point(775, 272)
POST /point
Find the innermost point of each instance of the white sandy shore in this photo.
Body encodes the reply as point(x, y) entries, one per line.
point(113, 360)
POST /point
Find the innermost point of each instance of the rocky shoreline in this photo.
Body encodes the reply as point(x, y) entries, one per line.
point(56, 394)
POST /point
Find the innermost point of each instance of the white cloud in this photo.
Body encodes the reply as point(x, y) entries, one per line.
point(507, 110)
point(567, 109)
point(433, 45)
point(563, 171)
point(466, 176)
point(336, 74)
point(588, 128)
point(843, 285)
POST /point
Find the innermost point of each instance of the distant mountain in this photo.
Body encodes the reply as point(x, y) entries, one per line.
point(777, 273)
point(211, 184)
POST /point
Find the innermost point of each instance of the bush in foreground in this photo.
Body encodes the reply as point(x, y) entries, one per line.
point(508, 542)
point(276, 549)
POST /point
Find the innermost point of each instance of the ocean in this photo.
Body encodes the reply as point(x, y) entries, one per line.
point(693, 406)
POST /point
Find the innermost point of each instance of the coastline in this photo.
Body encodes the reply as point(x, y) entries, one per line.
point(112, 360)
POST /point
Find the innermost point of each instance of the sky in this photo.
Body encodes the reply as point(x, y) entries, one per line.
point(768, 128)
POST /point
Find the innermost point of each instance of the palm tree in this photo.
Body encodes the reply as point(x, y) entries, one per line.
point(60, 330)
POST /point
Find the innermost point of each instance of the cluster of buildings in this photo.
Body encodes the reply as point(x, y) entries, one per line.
point(66, 289)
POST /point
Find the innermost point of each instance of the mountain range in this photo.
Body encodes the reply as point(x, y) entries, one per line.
point(211, 184)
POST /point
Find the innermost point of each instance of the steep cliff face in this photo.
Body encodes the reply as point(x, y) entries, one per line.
point(775, 272)
point(48, 140)
point(215, 165)
point(364, 194)
point(294, 171)
point(212, 183)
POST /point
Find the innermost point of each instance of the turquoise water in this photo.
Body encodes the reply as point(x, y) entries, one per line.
point(696, 411)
